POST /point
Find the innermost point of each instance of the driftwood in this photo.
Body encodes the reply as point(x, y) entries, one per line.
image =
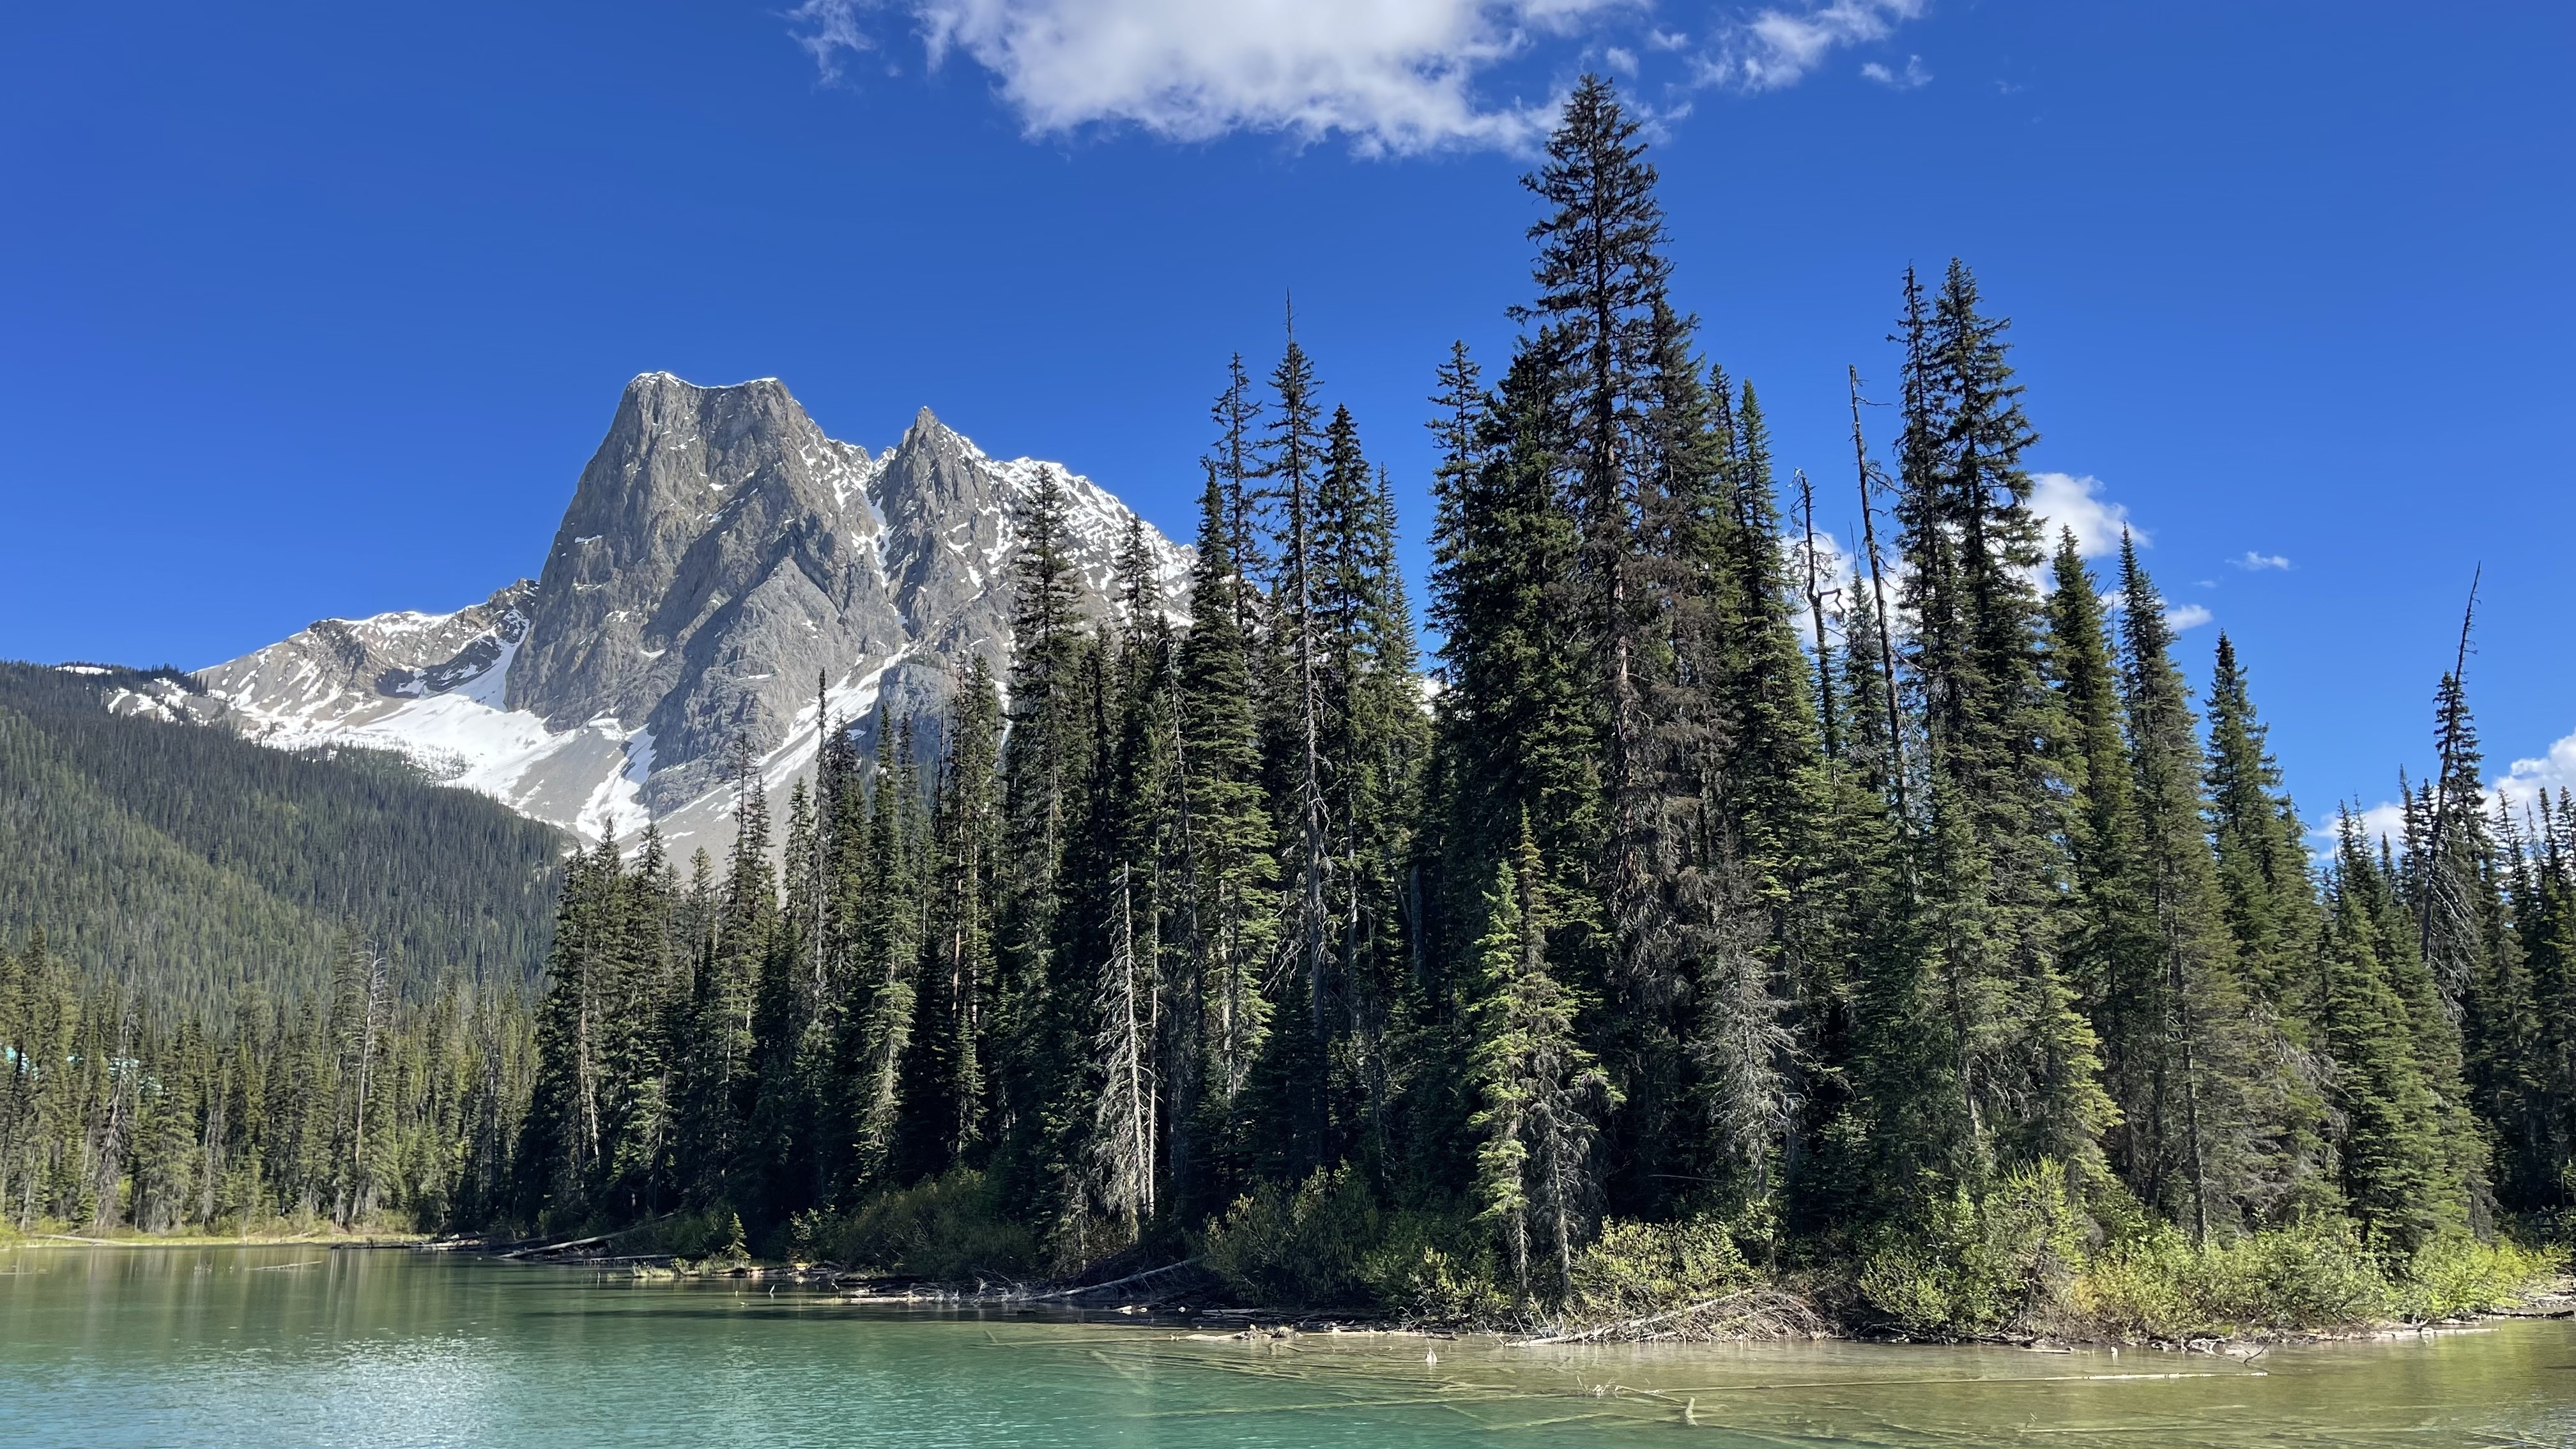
point(567, 1244)
point(1745, 1314)
point(1091, 1288)
point(538, 1248)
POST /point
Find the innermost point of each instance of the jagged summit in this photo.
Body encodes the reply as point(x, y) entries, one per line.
point(720, 554)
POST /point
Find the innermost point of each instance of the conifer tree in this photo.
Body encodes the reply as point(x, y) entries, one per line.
point(2214, 1097)
point(2369, 886)
point(2260, 846)
point(564, 1144)
point(1541, 1093)
point(724, 1072)
point(1516, 726)
point(886, 994)
point(1373, 739)
point(946, 1111)
point(2023, 1061)
point(2112, 957)
point(1293, 468)
point(1768, 790)
point(1235, 874)
point(2390, 1159)
point(1123, 1127)
point(1048, 768)
point(1236, 464)
point(1601, 276)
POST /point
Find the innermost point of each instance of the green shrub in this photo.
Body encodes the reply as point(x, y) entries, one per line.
point(950, 1229)
point(1431, 1267)
point(1635, 1269)
point(1971, 1266)
point(2312, 1274)
point(682, 1235)
point(2456, 1274)
point(1299, 1248)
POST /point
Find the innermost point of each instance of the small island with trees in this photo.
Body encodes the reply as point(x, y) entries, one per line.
point(1716, 935)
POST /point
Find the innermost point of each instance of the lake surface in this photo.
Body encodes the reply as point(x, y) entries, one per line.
point(283, 1348)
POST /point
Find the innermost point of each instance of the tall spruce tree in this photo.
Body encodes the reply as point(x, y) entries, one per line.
point(2024, 1062)
point(2390, 1161)
point(1293, 469)
point(2214, 1101)
point(1235, 910)
point(1046, 769)
point(1601, 275)
point(946, 1110)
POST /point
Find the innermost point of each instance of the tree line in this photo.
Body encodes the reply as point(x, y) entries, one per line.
point(354, 1104)
point(1696, 881)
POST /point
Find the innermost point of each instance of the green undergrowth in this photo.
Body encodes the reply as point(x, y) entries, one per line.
point(2027, 1258)
point(955, 1228)
point(1330, 1244)
point(2308, 1276)
point(2036, 1254)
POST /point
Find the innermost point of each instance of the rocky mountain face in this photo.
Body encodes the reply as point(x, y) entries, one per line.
point(725, 573)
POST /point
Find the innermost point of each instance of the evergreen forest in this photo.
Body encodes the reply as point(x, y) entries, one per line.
point(1703, 910)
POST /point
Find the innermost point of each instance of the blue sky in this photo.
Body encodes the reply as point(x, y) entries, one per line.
point(317, 309)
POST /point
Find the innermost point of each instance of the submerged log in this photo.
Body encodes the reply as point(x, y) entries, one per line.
point(1745, 1314)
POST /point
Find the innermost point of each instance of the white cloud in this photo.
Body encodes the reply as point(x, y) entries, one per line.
point(1777, 48)
point(2063, 500)
point(2384, 821)
point(2553, 772)
point(1913, 76)
point(1391, 75)
point(2179, 617)
point(2253, 562)
point(2518, 788)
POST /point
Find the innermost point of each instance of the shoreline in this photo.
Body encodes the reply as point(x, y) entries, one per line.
point(1105, 1304)
point(2554, 1299)
point(247, 1240)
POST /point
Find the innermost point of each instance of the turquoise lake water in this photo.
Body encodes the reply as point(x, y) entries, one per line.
point(284, 1348)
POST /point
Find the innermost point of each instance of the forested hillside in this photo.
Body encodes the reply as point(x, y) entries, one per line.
point(195, 864)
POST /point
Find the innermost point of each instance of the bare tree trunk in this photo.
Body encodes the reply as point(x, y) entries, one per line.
point(1878, 600)
point(109, 1166)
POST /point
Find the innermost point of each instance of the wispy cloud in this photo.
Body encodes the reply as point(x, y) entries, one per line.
point(1774, 48)
point(2179, 617)
point(826, 28)
point(1911, 77)
point(2253, 562)
point(1392, 76)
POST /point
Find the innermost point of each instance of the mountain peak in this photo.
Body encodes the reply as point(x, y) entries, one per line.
point(720, 551)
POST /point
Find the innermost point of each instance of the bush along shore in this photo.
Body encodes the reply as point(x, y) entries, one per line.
point(1734, 931)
